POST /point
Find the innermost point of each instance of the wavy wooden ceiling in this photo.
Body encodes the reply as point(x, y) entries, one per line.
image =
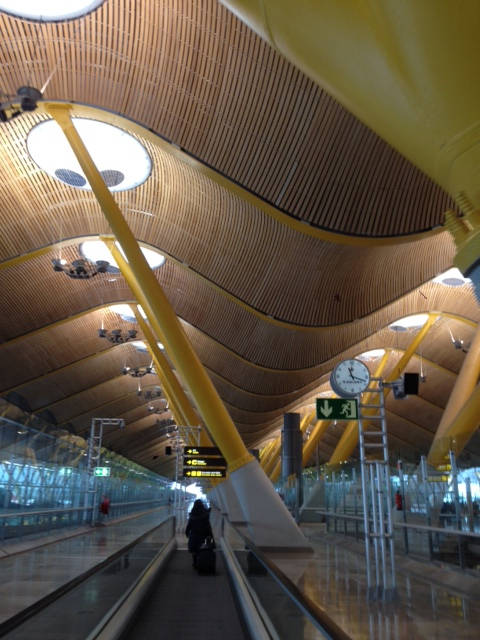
point(269, 307)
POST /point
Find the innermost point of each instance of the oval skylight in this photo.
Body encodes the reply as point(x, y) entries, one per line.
point(94, 250)
point(373, 354)
point(452, 278)
point(49, 10)
point(409, 322)
point(142, 347)
point(122, 161)
point(124, 311)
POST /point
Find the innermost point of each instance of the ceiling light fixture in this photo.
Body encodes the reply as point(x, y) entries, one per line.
point(49, 11)
point(138, 372)
point(25, 100)
point(116, 336)
point(123, 162)
point(81, 269)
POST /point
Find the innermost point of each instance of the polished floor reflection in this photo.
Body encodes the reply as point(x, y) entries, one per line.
point(335, 579)
point(28, 577)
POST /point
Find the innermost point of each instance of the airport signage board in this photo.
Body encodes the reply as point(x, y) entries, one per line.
point(204, 473)
point(337, 409)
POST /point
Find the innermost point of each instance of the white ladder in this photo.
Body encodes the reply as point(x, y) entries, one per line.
point(377, 508)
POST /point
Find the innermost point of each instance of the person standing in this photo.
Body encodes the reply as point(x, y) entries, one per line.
point(398, 501)
point(104, 508)
point(198, 528)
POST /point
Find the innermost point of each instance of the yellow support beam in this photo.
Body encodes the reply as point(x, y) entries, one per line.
point(183, 410)
point(449, 428)
point(349, 439)
point(460, 430)
point(408, 69)
point(316, 435)
point(157, 306)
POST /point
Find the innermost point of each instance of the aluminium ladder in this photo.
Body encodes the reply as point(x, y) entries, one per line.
point(377, 508)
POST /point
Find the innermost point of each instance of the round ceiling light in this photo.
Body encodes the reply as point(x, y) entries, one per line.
point(94, 250)
point(409, 322)
point(120, 158)
point(452, 278)
point(49, 10)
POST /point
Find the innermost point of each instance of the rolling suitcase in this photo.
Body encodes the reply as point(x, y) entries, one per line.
point(206, 558)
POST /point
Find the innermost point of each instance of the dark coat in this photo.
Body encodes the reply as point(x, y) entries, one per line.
point(198, 529)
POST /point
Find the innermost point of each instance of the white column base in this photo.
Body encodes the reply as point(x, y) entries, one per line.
point(269, 523)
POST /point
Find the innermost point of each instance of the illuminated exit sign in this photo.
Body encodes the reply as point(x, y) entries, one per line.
point(101, 472)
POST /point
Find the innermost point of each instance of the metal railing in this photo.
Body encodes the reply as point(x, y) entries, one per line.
point(454, 542)
point(308, 608)
point(17, 524)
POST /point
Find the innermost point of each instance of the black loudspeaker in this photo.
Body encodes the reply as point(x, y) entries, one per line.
point(410, 384)
point(168, 451)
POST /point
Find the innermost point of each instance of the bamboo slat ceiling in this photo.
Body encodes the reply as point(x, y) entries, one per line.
point(243, 147)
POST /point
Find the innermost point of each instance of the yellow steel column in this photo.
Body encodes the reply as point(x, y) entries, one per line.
point(272, 459)
point(161, 366)
point(157, 306)
point(460, 430)
point(349, 439)
point(465, 384)
point(307, 418)
point(318, 430)
point(266, 451)
point(392, 64)
point(187, 413)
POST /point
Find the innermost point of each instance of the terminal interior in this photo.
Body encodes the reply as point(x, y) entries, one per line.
point(207, 207)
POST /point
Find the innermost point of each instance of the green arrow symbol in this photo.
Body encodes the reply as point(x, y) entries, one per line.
point(326, 410)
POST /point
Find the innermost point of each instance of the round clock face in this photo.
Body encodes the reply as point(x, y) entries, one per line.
point(349, 378)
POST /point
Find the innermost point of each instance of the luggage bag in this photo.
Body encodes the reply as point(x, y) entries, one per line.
point(206, 560)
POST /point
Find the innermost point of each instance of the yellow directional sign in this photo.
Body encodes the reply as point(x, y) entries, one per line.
point(201, 451)
point(205, 473)
point(204, 462)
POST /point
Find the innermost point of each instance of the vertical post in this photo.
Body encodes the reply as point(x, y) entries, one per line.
point(376, 531)
point(426, 490)
point(468, 490)
point(404, 504)
point(366, 521)
point(458, 517)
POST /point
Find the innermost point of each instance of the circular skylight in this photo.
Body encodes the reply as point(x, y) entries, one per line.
point(49, 10)
point(124, 311)
point(452, 278)
point(142, 347)
point(409, 322)
point(373, 354)
point(120, 158)
point(94, 250)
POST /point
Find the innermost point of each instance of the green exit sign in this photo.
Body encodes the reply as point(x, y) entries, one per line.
point(337, 409)
point(101, 472)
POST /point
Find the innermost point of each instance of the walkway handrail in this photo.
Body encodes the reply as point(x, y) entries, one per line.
point(399, 525)
point(311, 609)
point(20, 514)
point(35, 608)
